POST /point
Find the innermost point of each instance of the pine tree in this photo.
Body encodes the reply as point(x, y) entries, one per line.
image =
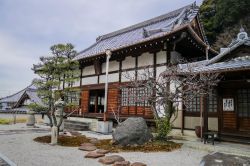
point(57, 75)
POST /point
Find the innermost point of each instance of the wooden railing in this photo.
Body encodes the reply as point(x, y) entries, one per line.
point(73, 111)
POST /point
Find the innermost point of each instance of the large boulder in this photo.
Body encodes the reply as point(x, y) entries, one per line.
point(133, 131)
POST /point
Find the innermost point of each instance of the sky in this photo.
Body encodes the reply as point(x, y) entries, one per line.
point(29, 27)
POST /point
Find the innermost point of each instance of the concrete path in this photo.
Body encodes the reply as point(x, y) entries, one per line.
point(5, 161)
point(222, 147)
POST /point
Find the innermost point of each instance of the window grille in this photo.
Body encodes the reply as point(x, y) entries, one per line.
point(244, 103)
point(134, 96)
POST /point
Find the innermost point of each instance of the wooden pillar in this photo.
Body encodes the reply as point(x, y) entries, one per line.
point(205, 106)
point(154, 67)
point(136, 75)
point(201, 114)
point(182, 120)
point(168, 53)
point(80, 102)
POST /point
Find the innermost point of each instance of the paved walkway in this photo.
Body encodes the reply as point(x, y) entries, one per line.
point(222, 147)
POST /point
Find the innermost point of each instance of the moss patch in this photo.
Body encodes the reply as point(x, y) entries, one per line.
point(11, 120)
point(64, 140)
point(154, 146)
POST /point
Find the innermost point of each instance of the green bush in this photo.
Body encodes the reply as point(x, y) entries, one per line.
point(163, 128)
point(4, 121)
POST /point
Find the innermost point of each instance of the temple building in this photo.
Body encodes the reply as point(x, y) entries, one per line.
point(155, 44)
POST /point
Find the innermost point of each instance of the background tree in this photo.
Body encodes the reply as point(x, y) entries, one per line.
point(57, 75)
point(222, 20)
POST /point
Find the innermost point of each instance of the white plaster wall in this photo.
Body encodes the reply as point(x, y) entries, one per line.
point(160, 69)
point(213, 124)
point(191, 122)
point(113, 66)
point(89, 80)
point(141, 73)
point(177, 132)
point(112, 78)
point(161, 57)
point(89, 70)
point(124, 78)
point(128, 63)
point(145, 59)
point(177, 122)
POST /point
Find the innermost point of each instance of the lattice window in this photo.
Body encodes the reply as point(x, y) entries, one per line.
point(134, 96)
point(212, 101)
point(244, 102)
point(73, 97)
point(193, 104)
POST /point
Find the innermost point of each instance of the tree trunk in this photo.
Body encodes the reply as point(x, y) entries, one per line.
point(54, 135)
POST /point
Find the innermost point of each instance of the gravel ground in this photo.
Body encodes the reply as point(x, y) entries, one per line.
point(21, 149)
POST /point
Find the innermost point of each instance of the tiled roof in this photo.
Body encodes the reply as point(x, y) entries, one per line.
point(145, 31)
point(34, 97)
point(15, 97)
point(242, 39)
point(234, 64)
point(237, 63)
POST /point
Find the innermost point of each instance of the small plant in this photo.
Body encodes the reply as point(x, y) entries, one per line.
point(163, 128)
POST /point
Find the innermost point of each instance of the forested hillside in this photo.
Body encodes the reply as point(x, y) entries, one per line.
point(222, 20)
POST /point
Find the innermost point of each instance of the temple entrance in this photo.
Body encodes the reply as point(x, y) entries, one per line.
point(96, 101)
point(243, 104)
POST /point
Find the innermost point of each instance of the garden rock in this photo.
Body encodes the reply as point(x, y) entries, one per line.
point(122, 163)
point(87, 147)
point(111, 159)
point(94, 155)
point(133, 131)
point(222, 159)
point(138, 164)
point(102, 151)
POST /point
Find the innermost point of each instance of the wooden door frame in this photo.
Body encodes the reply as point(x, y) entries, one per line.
point(222, 95)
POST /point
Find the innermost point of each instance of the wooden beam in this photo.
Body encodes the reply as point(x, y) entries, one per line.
point(120, 71)
point(98, 67)
point(154, 64)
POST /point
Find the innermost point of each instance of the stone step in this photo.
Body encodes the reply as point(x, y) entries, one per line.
point(74, 125)
point(76, 128)
point(75, 122)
